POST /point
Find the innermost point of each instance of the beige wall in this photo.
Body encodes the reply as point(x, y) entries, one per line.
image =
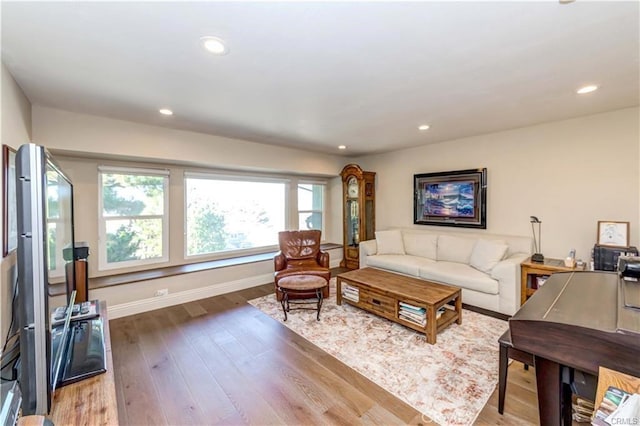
point(77, 140)
point(16, 130)
point(569, 173)
point(68, 131)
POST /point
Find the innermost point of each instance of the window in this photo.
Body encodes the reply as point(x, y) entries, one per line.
point(230, 213)
point(310, 206)
point(133, 217)
point(59, 214)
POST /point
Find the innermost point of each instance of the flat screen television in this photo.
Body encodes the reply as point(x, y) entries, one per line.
point(44, 196)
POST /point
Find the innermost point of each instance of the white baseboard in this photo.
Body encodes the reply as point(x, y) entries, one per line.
point(144, 305)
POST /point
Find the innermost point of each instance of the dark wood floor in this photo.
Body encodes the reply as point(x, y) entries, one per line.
point(221, 361)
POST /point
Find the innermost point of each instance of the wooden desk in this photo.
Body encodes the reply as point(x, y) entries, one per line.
point(91, 401)
point(529, 270)
point(576, 321)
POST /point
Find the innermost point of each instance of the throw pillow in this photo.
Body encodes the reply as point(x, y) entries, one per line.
point(421, 243)
point(487, 253)
point(389, 242)
point(452, 248)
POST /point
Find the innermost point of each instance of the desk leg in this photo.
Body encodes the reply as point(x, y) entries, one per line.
point(549, 383)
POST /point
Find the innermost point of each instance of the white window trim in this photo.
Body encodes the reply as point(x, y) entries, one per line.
point(237, 178)
point(103, 265)
point(60, 263)
point(324, 185)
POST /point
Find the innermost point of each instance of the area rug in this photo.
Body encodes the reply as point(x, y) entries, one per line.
point(450, 382)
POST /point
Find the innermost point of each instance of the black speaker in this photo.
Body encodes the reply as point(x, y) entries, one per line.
point(80, 251)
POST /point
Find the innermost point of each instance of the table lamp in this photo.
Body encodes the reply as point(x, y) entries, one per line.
point(537, 256)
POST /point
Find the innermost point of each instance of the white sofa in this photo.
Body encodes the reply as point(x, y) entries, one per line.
point(485, 266)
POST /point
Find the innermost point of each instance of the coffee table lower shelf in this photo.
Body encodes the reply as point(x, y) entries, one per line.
point(380, 296)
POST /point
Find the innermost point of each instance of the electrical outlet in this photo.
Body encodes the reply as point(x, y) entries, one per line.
point(162, 292)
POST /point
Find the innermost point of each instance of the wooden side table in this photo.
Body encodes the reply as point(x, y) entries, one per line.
point(530, 270)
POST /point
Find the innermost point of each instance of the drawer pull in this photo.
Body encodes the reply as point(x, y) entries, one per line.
point(376, 302)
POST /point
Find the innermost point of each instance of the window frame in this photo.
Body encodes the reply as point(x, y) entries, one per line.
point(103, 264)
point(324, 203)
point(251, 178)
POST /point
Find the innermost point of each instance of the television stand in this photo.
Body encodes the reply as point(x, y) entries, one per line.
point(91, 401)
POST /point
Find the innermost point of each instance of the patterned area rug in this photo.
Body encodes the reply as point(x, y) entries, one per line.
point(450, 381)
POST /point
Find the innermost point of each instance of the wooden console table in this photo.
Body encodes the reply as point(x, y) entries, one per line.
point(529, 270)
point(91, 401)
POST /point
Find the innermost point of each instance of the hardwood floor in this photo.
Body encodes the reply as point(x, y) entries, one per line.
point(221, 361)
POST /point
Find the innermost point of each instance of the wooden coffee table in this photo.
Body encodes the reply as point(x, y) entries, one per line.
point(386, 293)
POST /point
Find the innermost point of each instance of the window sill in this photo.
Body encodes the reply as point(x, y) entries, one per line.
point(170, 271)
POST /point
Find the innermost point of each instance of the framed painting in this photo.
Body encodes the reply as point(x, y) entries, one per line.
point(9, 214)
point(456, 198)
point(612, 233)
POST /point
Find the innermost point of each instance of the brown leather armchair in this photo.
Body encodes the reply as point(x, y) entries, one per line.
point(300, 254)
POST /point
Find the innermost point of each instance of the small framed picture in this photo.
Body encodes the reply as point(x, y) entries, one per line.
point(612, 233)
point(9, 213)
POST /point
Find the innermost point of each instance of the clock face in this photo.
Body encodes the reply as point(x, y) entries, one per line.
point(352, 187)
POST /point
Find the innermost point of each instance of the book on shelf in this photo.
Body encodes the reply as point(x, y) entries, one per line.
point(412, 315)
point(615, 407)
point(412, 320)
point(347, 287)
point(412, 307)
point(351, 296)
point(582, 409)
point(419, 318)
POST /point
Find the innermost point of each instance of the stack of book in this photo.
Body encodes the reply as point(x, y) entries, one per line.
point(350, 292)
point(416, 314)
point(582, 409)
point(618, 407)
point(413, 314)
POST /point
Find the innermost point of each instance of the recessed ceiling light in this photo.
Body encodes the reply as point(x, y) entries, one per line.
point(423, 127)
point(165, 111)
point(214, 45)
point(342, 147)
point(587, 89)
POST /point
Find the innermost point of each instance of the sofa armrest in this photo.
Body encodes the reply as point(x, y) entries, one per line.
point(367, 248)
point(507, 272)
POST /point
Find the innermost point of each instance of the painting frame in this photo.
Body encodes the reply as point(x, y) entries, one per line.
point(453, 198)
point(9, 213)
point(613, 233)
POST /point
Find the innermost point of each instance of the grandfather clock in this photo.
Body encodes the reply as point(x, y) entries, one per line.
point(358, 199)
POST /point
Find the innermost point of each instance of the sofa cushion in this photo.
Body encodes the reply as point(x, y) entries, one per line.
point(459, 275)
point(404, 264)
point(421, 244)
point(389, 242)
point(455, 249)
point(487, 253)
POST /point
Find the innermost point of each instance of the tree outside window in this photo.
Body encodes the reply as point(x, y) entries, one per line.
point(310, 206)
point(134, 225)
point(224, 215)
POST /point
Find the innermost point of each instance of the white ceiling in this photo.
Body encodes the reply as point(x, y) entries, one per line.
point(314, 75)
